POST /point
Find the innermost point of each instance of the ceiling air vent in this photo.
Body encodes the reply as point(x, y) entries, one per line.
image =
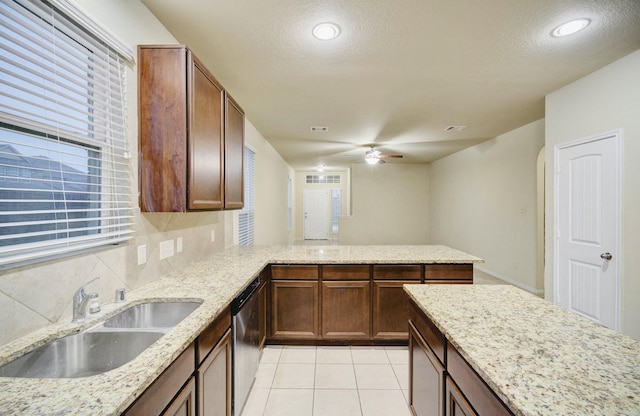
point(455, 128)
point(319, 128)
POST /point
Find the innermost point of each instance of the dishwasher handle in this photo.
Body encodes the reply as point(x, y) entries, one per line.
point(244, 296)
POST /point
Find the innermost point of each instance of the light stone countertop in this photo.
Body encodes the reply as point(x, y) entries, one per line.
point(215, 281)
point(538, 358)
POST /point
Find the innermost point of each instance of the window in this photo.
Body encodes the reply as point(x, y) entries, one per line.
point(64, 168)
point(323, 178)
point(336, 209)
point(246, 221)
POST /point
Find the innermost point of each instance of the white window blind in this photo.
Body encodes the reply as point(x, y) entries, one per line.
point(64, 164)
point(246, 220)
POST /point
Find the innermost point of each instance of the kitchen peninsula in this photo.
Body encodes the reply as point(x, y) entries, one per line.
point(510, 352)
point(214, 281)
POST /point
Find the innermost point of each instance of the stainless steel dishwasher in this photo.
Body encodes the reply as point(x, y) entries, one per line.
point(246, 340)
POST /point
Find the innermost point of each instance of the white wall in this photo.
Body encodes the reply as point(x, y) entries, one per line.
point(390, 205)
point(33, 297)
point(603, 101)
point(271, 191)
point(483, 201)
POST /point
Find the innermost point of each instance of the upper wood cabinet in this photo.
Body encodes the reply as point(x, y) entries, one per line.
point(233, 154)
point(184, 119)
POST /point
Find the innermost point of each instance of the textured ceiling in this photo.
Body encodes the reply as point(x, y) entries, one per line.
point(401, 70)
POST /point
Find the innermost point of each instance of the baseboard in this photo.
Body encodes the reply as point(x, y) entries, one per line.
point(530, 289)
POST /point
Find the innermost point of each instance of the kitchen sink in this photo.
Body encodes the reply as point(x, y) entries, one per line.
point(81, 355)
point(162, 315)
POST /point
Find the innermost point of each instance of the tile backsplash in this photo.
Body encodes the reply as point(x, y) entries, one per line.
point(38, 295)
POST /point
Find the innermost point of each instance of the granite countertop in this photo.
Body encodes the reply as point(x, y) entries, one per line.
point(538, 358)
point(215, 281)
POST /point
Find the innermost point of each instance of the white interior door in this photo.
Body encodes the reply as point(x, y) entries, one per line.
point(587, 228)
point(316, 214)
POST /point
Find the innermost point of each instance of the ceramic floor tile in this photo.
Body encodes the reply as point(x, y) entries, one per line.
point(335, 376)
point(383, 403)
point(376, 376)
point(402, 375)
point(290, 402)
point(398, 355)
point(369, 355)
point(264, 375)
point(271, 354)
point(294, 376)
point(336, 403)
point(333, 355)
point(298, 355)
point(256, 402)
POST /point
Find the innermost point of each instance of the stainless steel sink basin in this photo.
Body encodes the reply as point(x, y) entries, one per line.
point(152, 315)
point(81, 355)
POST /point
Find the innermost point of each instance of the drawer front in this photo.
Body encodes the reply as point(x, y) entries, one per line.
point(294, 272)
point(345, 272)
point(397, 272)
point(479, 395)
point(432, 335)
point(448, 271)
point(210, 336)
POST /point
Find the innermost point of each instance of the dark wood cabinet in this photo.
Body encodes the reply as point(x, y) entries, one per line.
point(185, 402)
point(390, 302)
point(456, 404)
point(184, 119)
point(294, 309)
point(448, 273)
point(444, 376)
point(167, 386)
point(426, 377)
point(233, 154)
point(346, 309)
point(262, 307)
point(214, 380)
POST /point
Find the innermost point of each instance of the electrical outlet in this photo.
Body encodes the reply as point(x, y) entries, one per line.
point(166, 249)
point(213, 235)
point(142, 254)
point(179, 245)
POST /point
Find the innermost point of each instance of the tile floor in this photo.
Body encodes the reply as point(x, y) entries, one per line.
point(335, 381)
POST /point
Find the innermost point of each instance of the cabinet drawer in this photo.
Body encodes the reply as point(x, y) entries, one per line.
point(448, 271)
point(210, 336)
point(432, 335)
point(397, 272)
point(476, 391)
point(294, 272)
point(162, 391)
point(345, 272)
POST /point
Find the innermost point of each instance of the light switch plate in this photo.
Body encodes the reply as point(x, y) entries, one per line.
point(166, 249)
point(142, 254)
point(179, 245)
point(213, 235)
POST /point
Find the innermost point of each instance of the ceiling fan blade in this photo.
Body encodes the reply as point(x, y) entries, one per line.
point(390, 156)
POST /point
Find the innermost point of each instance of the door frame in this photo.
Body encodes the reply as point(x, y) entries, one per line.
point(616, 135)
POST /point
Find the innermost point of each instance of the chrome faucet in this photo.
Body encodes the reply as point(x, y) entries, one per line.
point(80, 302)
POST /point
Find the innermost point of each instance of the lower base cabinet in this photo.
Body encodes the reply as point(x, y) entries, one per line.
point(345, 309)
point(441, 382)
point(198, 382)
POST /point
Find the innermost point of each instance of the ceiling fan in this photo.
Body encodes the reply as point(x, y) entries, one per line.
point(373, 157)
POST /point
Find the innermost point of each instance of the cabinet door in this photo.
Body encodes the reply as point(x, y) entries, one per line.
point(185, 403)
point(214, 380)
point(262, 314)
point(346, 309)
point(233, 155)
point(205, 142)
point(294, 309)
point(457, 405)
point(390, 309)
point(162, 124)
point(426, 378)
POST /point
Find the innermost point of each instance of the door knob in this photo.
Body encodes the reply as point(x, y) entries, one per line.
point(606, 256)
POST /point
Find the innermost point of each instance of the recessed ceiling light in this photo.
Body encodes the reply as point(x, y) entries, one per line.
point(326, 31)
point(570, 28)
